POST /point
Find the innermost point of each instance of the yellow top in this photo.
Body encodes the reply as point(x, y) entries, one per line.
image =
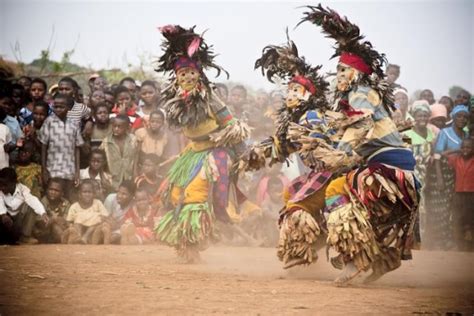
point(202, 129)
point(88, 217)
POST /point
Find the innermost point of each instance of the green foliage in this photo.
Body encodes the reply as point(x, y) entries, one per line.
point(52, 70)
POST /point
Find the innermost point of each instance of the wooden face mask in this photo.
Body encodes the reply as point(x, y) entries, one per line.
point(296, 93)
point(188, 78)
point(345, 76)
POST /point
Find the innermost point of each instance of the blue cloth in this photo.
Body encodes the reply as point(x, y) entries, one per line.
point(26, 116)
point(459, 108)
point(448, 140)
point(313, 119)
point(397, 157)
point(14, 127)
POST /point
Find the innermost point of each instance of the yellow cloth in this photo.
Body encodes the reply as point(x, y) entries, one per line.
point(246, 208)
point(30, 175)
point(336, 187)
point(204, 128)
point(196, 192)
point(383, 128)
point(88, 217)
point(311, 204)
point(200, 145)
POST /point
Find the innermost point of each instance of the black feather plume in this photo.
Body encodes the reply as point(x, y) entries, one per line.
point(348, 39)
point(176, 45)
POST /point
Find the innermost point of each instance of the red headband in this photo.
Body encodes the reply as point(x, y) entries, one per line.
point(183, 62)
point(305, 82)
point(355, 62)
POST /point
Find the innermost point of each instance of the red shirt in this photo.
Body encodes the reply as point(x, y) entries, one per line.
point(135, 119)
point(464, 169)
point(147, 220)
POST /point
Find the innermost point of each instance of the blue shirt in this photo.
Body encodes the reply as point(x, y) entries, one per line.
point(14, 127)
point(448, 140)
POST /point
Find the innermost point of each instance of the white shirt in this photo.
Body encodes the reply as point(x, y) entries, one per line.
point(84, 174)
point(114, 208)
point(10, 203)
point(5, 138)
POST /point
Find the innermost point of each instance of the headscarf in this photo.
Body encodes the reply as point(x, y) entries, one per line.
point(459, 108)
point(356, 62)
point(421, 105)
point(400, 90)
point(438, 110)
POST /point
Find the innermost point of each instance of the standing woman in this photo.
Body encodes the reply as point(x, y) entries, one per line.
point(422, 139)
point(440, 192)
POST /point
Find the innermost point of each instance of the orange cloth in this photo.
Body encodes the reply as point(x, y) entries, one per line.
point(312, 204)
point(336, 187)
point(196, 192)
point(464, 170)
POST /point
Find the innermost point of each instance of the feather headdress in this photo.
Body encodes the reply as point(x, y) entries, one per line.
point(183, 47)
point(284, 62)
point(353, 49)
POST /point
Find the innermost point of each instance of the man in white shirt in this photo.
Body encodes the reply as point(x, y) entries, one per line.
point(18, 210)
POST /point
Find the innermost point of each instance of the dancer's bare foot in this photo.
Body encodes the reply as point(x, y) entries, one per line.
point(337, 262)
point(378, 273)
point(374, 276)
point(348, 273)
point(193, 256)
point(189, 255)
point(294, 262)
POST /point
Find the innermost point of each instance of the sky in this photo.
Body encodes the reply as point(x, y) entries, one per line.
point(432, 41)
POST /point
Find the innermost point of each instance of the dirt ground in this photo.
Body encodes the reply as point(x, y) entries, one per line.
point(110, 280)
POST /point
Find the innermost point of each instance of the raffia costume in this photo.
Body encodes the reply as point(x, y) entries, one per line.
point(197, 189)
point(371, 209)
point(300, 121)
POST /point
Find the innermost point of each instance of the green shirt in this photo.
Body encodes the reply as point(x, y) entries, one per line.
point(120, 163)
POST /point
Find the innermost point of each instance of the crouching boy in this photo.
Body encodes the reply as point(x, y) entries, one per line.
point(19, 210)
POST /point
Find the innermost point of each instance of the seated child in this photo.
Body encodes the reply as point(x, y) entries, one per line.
point(84, 216)
point(56, 207)
point(149, 180)
point(18, 210)
point(98, 172)
point(117, 204)
point(139, 221)
point(263, 226)
point(28, 172)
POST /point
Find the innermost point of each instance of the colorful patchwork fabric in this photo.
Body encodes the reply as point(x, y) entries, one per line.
point(220, 192)
point(224, 117)
point(384, 132)
point(306, 185)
